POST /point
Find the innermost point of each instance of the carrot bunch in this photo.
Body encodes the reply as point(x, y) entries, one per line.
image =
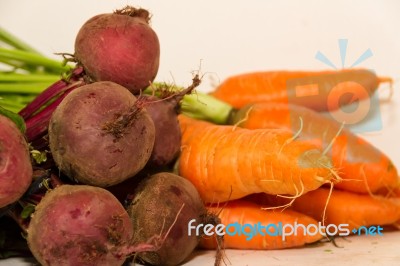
point(277, 157)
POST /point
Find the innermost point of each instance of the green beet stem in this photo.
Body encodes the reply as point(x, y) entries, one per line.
point(33, 59)
point(205, 107)
point(26, 88)
point(198, 105)
point(16, 77)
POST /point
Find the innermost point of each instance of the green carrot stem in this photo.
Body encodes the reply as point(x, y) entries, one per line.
point(12, 40)
point(198, 105)
point(28, 88)
point(16, 77)
point(33, 59)
point(206, 107)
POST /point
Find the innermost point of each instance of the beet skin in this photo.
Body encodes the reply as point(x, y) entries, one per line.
point(167, 142)
point(15, 163)
point(119, 47)
point(166, 202)
point(79, 225)
point(98, 136)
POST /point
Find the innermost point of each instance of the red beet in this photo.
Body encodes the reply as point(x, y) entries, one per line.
point(79, 225)
point(164, 112)
point(99, 136)
point(119, 47)
point(166, 202)
point(15, 163)
point(167, 142)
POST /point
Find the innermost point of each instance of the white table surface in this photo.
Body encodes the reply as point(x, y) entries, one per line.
point(353, 251)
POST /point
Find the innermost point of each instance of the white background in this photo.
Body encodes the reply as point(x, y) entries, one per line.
point(230, 37)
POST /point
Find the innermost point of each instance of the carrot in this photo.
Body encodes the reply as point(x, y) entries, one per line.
point(241, 212)
point(349, 208)
point(319, 90)
point(364, 168)
point(226, 162)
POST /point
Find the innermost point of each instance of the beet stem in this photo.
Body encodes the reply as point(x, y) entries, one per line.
point(197, 105)
point(177, 97)
point(49, 93)
point(38, 124)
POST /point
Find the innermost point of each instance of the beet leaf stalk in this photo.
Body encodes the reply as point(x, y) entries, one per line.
point(24, 72)
point(197, 104)
point(29, 59)
point(37, 114)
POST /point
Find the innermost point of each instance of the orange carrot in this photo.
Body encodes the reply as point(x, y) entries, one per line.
point(349, 208)
point(319, 90)
point(243, 212)
point(364, 168)
point(228, 162)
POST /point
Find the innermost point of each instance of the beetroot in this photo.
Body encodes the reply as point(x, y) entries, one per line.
point(119, 47)
point(79, 225)
point(163, 203)
point(164, 111)
point(99, 135)
point(168, 133)
point(15, 163)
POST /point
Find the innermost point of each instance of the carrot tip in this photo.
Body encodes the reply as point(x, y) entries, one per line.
point(385, 79)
